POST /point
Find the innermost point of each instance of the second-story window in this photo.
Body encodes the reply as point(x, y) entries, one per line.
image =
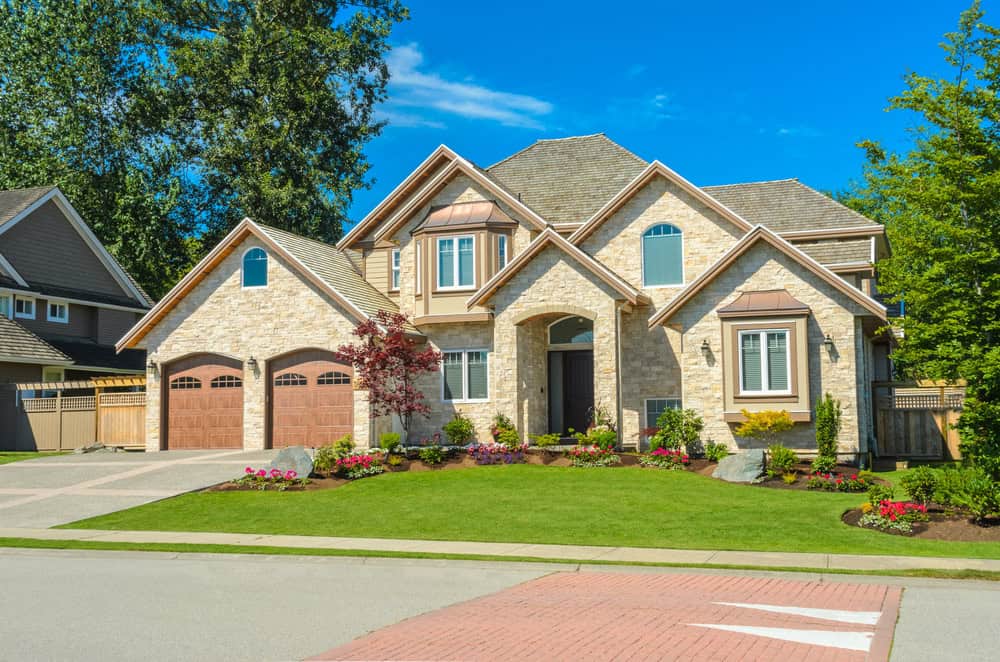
point(5, 310)
point(395, 269)
point(501, 252)
point(58, 312)
point(255, 268)
point(24, 307)
point(419, 269)
point(456, 263)
point(662, 256)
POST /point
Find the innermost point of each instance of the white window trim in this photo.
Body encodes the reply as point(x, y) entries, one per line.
point(645, 406)
point(267, 270)
point(454, 263)
point(9, 298)
point(465, 374)
point(642, 259)
point(502, 240)
point(764, 368)
point(25, 316)
point(395, 269)
point(48, 311)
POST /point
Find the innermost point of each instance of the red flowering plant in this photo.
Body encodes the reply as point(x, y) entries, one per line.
point(665, 458)
point(275, 479)
point(387, 363)
point(496, 453)
point(831, 482)
point(894, 516)
point(359, 465)
point(593, 456)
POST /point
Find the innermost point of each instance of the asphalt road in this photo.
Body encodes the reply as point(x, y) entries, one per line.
point(77, 605)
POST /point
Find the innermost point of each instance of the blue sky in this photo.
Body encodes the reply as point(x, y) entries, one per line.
point(720, 91)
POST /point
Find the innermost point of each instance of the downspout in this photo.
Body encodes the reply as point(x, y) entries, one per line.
point(620, 412)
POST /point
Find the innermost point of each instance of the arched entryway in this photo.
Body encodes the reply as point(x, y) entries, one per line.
point(203, 401)
point(570, 342)
point(311, 399)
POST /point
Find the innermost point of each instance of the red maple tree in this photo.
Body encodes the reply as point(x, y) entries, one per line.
point(388, 363)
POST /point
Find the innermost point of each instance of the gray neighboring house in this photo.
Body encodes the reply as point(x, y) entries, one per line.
point(64, 300)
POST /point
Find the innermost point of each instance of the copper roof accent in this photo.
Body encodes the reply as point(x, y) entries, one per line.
point(769, 302)
point(480, 213)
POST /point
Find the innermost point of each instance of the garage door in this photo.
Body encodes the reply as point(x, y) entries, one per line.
point(312, 400)
point(204, 403)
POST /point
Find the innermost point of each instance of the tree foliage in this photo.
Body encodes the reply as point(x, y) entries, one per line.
point(939, 204)
point(764, 426)
point(387, 363)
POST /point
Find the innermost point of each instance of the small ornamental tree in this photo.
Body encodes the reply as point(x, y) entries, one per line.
point(827, 433)
point(388, 364)
point(764, 426)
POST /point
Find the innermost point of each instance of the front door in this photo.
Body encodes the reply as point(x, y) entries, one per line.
point(571, 390)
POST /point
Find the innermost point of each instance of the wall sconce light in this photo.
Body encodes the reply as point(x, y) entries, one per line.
point(252, 363)
point(706, 349)
point(828, 342)
point(152, 367)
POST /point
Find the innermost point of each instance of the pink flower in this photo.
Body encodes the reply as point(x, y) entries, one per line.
point(262, 473)
point(249, 470)
point(289, 475)
point(275, 473)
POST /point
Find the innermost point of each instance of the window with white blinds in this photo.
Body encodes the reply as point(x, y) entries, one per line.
point(765, 366)
point(465, 375)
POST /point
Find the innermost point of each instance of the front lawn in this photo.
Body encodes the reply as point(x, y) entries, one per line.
point(6, 457)
point(530, 503)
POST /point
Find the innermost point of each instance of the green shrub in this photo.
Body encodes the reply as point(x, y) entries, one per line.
point(324, 459)
point(509, 438)
point(343, 447)
point(500, 422)
point(715, 452)
point(432, 455)
point(981, 496)
point(394, 460)
point(602, 437)
point(677, 428)
point(389, 442)
point(920, 483)
point(878, 493)
point(827, 431)
point(546, 440)
point(824, 463)
point(953, 483)
point(790, 477)
point(780, 460)
point(459, 430)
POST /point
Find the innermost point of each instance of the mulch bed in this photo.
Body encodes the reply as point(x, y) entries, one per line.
point(944, 524)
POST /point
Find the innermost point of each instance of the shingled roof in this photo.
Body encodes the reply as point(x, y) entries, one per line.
point(15, 201)
point(787, 205)
point(17, 342)
point(566, 180)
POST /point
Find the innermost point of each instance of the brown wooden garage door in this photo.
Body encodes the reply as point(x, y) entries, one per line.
point(312, 400)
point(204, 403)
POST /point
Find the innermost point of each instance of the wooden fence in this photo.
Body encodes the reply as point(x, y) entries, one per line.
point(913, 421)
point(68, 422)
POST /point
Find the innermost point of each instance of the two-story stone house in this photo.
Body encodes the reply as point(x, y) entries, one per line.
point(569, 275)
point(64, 300)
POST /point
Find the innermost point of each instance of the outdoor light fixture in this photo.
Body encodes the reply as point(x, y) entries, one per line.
point(252, 362)
point(828, 342)
point(152, 366)
point(706, 349)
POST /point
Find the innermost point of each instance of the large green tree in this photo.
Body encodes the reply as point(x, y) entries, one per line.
point(940, 202)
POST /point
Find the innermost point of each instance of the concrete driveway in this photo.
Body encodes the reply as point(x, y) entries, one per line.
point(57, 490)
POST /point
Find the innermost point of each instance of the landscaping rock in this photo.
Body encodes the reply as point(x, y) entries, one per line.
point(88, 449)
point(746, 467)
point(294, 458)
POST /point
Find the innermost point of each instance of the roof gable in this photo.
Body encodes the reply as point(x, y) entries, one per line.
point(546, 238)
point(757, 234)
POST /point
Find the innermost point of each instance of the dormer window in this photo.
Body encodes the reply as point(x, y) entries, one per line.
point(394, 266)
point(24, 307)
point(255, 268)
point(58, 311)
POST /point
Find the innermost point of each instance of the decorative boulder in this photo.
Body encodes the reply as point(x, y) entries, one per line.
point(294, 458)
point(746, 467)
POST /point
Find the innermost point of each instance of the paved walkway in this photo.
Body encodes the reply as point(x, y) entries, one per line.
point(605, 616)
point(56, 490)
point(521, 550)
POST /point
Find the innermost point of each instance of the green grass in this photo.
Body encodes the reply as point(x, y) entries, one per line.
point(6, 457)
point(184, 548)
point(535, 504)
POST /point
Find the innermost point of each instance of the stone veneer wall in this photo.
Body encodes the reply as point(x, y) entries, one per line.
point(763, 268)
point(219, 316)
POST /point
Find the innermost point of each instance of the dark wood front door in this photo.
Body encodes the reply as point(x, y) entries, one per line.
point(312, 399)
point(578, 389)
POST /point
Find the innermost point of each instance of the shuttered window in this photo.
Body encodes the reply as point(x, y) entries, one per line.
point(764, 362)
point(465, 375)
point(662, 256)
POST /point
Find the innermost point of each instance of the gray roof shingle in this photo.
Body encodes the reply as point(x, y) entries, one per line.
point(566, 180)
point(786, 205)
point(15, 201)
point(837, 251)
point(18, 342)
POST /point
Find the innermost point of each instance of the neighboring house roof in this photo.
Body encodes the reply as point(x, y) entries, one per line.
point(761, 233)
point(566, 180)
point(327, 267)
point(87, 355)
point(15, 201)
point(787, 205)
point(19, 345)
point(764, 301)
point(465, 214)
point(546, 238)
point(838, 251)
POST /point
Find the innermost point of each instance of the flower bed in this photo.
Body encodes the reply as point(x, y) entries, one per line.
point(497, 453)
point(360, 465)
point(831, 482)
point(275, 479)
point(664, 458)
point(593, 456)
point(894, 516)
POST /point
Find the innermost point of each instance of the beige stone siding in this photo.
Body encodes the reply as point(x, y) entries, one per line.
point(219, 316)
point(650, 368)
point(836, 372)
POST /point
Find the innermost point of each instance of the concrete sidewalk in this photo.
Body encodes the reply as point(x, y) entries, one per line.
point(521, 550)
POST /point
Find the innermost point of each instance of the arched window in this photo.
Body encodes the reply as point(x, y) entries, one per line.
point(185, 383)
point(662, 256)
point(227, 381)
point(290, 379)
point(255, 268)
point(571, 331)
point(330, 378)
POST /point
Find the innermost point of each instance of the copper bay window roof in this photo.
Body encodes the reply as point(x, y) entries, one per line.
point(768, 302)
point(463, 215)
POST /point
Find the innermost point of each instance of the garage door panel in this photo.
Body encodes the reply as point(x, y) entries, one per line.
point(312, 399)
point(204, 403)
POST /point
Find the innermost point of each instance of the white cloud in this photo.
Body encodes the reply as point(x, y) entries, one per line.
point(412, 87)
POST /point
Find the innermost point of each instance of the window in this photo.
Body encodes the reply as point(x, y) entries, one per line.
point(255, 268)
point(395, 269)
point(501, 252)
point(662, 256)
point(419, 270)
point(656, 406)
point(290, 379)
point(764, 362)
point(227, 381)
point(24, 307)
point(571, 331)
point(5, 310)
point(464, 375)
point(184, 383)
point(456, 264)
point(58, 312)
point(329, 378)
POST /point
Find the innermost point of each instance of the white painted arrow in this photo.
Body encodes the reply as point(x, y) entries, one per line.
point(842, 615)
point(855, 641)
